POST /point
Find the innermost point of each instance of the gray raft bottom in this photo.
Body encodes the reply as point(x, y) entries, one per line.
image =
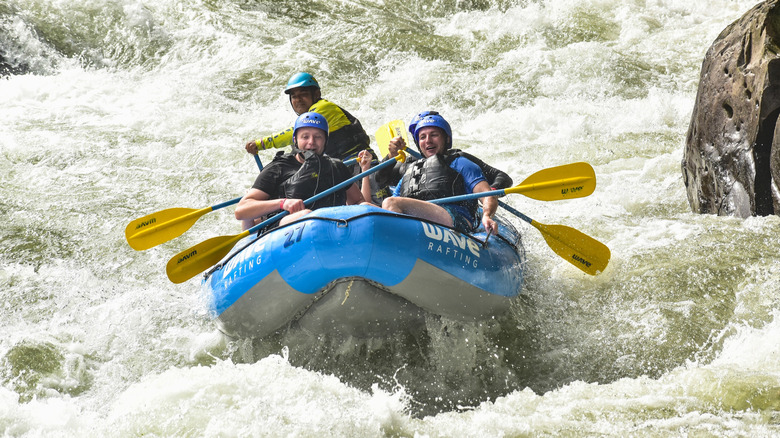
point(355, 306)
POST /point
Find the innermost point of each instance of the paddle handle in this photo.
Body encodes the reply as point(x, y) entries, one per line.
point(330, 191)
point(225, 204)
point(515, 212)
point(521, 188)
point(257, 160)
point(413, 153)
point(468, 197)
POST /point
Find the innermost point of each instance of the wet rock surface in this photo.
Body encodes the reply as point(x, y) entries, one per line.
point(731, 163)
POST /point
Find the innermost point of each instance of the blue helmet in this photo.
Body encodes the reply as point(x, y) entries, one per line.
point(417, 118)
point(299, 80)
point(435, 121)
point(311, 120)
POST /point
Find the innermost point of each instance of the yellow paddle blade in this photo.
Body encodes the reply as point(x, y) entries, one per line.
point(576, 180)
point(387, 132)
point(156, 228)
point(198, 258)
point(576, 247)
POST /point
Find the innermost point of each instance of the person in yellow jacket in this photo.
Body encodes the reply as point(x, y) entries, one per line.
point(346, 137)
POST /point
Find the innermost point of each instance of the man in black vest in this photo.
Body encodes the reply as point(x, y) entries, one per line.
point(292, 177)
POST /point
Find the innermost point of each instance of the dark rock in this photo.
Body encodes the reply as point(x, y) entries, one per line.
point(731, 165)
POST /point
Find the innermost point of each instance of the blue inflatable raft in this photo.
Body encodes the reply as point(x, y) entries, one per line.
point(365, 272)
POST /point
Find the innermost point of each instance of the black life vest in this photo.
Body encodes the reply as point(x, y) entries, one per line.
point(347, 140)
point(433, 178)
point(316, 174)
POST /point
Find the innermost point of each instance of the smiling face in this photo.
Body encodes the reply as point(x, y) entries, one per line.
point(432, 141)
point(311, 139)
point(301, 99)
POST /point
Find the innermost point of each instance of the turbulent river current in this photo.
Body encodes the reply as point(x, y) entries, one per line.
point(114, 109)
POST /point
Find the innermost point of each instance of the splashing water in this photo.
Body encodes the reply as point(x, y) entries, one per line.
point(112, 110)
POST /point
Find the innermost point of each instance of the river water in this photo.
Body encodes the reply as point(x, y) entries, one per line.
point(118, 108)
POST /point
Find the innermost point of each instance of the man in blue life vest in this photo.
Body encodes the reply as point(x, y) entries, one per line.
point(292, 177)
point(346, 137)
point(497, 179)
point(442, 173)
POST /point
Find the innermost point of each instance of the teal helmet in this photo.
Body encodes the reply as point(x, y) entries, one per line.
point(299, 80)
point(311, 120)
point(435, 121)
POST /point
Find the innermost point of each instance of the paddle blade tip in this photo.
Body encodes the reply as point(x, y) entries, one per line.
point(584, 252)
point(136, 245)
point(132, 238)
point(160, 227)
point(594, 263)
point(185, 265)
point(196, 259)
